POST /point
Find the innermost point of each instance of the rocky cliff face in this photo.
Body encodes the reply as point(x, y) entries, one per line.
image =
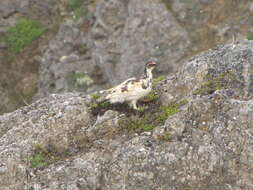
point(203, 138)
point(93, 44)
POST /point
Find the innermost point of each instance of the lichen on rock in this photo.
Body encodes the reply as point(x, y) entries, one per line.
point(203, 142)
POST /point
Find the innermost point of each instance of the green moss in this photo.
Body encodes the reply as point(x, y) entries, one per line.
point(167, 111)
point(157, 80)
point(103, 104)
point(141, 108)
point(39, 160)
point(43, 157)
point(250, 36)
point(76, 7)
point(216, 83)
point(75, 4)
point(40, 157)
point(137, 124)
point(147, 121)
point(95, 96)
point(152, 96)
point(168, 4)
point(22, 34)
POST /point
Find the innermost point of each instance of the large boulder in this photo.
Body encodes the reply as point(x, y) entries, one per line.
point(59, 143)
point(121, 37)
point(19, 73)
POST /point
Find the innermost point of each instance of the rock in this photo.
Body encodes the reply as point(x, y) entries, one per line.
point(58, 143)
point(17, 68)
point(110, 40)
point(122, 36)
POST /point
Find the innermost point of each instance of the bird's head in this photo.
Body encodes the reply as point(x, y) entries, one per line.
point(150, 65)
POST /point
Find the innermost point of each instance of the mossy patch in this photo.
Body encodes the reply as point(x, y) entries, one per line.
point(44, 156)
point(250, 36)
point(222, 81)
point(157, 80)
point(95, 96)
point(152, 96)
point(167, 111)
point(78, 8)
point(23, 33)
point(168, 4)
point(150, 118)
point(137, 124)
point(99, 105)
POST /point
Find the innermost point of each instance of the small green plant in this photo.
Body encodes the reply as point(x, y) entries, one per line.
point(40, 157)
point(103, 104)
point(76, 7)
point(167, 111)
point(22, 34)
point(152, 96)
point(43, 157)
point(95, 96)
point(250, 36)
point(157, 80)
point(219, 82)
point(167, 3)
point(75, 4)
point(39, 160)
point(137, 124)
point(141, 108)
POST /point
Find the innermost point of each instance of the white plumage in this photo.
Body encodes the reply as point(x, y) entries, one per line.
point(133, 89)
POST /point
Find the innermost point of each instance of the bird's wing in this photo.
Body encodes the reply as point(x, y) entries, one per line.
point(130, 85)
point(121, 85)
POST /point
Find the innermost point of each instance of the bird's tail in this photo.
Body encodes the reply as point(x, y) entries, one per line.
point(100, 96)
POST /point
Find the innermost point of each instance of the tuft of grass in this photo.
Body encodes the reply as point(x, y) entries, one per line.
point(75, 4)
point(157, 80)
point(168, 4)
point(95, 96)
point(76, 7)
point(152, 96)
point(219, 82)
point(43, 157)
point(148, 121)
point(40, 157)
point(22, 34)
point(39, 160)
point(167, 111)
point(141, 108)
point(250, 36)
point(137, 124)
point(104, 104)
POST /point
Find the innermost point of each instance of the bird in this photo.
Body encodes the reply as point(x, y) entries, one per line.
point(132, 89)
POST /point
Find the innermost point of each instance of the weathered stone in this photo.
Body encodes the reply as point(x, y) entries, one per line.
point(207, 144)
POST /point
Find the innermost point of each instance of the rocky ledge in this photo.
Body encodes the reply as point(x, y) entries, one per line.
point(196, 133)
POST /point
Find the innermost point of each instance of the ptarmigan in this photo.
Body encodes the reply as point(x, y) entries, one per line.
point(132, 89)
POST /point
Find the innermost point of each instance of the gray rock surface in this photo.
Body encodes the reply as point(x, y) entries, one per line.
point(209, 143)
point(110, 41)
point(122, 37)
point(18, 72)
